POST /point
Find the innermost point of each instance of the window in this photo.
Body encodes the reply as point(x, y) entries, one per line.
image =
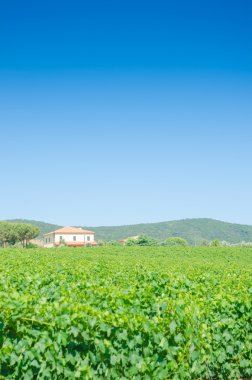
point(61, 238)
point(88, 238)
point(74, 238)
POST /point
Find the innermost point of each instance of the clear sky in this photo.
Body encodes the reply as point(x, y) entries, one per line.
point(119, 112)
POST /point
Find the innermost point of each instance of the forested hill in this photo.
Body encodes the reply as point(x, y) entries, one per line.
point(193, 230)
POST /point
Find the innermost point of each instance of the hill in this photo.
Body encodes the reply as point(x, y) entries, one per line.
point(43, 227)
point(193, 230)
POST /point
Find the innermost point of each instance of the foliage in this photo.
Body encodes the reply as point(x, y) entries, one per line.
point(112, 242)
point(31, 246)
point(101, 243)
point(126, 313)
point(62, 243)
point(11, 233)
point(175, 241)
point(215, 243)
point(142, 240)
point(43, 227)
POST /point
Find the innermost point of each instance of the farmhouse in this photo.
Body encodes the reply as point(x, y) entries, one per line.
point(70, 236)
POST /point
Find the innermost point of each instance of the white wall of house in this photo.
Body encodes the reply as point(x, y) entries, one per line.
point(89, 238)
point(52, 238)
point(79, 238)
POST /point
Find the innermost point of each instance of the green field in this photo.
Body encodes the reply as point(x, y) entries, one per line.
point(126, 313)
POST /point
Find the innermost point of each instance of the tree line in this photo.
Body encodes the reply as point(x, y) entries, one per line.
point(144, 240)
point(13, 233)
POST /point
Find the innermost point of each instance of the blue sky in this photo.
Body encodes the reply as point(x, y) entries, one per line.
point(126, 112)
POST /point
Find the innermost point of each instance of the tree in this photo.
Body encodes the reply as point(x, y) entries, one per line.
point(26, 232)
point(7, 233)
point(11, 233)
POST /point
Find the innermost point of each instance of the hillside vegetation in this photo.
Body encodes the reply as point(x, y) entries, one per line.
point(126, 313)
point(43, 227)
point(195, 231)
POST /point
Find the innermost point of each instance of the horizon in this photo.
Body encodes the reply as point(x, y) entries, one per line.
point(112, 114)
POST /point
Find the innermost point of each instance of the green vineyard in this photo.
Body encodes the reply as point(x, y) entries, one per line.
point(126, 313)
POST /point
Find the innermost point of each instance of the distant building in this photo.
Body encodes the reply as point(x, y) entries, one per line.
point(69, 236)
point(124, 241)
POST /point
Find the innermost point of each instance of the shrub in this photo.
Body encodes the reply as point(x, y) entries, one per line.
point(215, 243)
point(142, 240)
point(171, 241)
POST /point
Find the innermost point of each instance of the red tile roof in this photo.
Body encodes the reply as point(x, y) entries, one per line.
point(71, 230)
